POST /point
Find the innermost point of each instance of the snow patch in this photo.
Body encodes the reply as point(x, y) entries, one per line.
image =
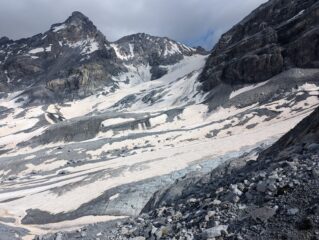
point(113, 121)
point(246, 89)
point(41, 49)
point(49, 48)
point(36, 50)
point(8, 78)
point(115, 196)
point(58, 28)
point(121, 54)
point(296, 16)
point(90, 46)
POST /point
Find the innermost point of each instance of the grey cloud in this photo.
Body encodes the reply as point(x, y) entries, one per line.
point(195, 22)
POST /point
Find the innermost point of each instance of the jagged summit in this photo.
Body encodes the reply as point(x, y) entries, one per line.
point(77, 27)
point(77, 15)
point(76, 18)
point(79, 19)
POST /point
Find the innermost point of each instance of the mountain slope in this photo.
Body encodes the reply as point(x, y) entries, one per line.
point(277, 36)
point(73, 59)
point(273, 197)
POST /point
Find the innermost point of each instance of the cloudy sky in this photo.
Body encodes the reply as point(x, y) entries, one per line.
point(194, 22)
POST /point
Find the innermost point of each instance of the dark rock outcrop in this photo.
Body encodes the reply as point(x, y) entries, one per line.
point(71, 58)
point(277, 36)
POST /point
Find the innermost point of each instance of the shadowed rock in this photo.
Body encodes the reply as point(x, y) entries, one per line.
point(275, 37)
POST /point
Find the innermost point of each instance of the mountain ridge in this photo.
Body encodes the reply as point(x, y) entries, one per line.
point(74, 59)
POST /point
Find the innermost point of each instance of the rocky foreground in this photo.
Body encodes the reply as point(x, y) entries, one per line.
point(274, 197)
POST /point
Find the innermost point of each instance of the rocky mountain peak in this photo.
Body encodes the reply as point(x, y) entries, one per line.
point(79, 19)
point(142, 46)
point(76, 15)
point(4, 40)
point(76, 27)
point(142, 49)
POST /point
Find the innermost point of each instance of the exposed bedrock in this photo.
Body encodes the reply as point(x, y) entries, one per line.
point(275, 37)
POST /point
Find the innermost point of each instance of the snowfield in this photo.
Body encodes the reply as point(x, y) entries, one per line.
point(113, 151)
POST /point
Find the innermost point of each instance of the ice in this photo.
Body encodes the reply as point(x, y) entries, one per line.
point(36, 50)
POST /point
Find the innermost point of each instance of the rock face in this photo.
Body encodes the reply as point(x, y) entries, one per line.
point(74, 59)
point(60, 61)
point(157, 52)
point(275, 37)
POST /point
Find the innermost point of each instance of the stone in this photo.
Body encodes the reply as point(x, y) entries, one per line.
point(263, 214)
point(246, 182)
point(293, 211)
point(13, 177)
point(313, 147)
point(192, 200)
point(59, 236)
point(315, 173)
point(261, 187)
point(249, 196)
point(216, 202)
point(214, 232)
point(305, 224)
point(163, 231)
point(154, 229)
point(272, 187)
point(274, 176)
point(235, 190)
point(211, 213)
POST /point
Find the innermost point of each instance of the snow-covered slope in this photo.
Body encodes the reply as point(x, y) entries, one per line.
point(105, 155)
